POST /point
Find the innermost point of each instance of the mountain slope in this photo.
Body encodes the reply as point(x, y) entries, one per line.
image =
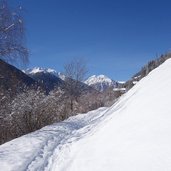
point(48, 77)
point(100, 82)
point(49, 80)
point(134, 134)
point(12, 80)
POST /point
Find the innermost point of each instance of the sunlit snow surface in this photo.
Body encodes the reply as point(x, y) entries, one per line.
point(132, 135)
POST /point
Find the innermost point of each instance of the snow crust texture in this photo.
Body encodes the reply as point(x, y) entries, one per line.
point(132, 135)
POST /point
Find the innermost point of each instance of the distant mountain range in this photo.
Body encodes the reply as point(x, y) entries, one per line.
point(51, 78)
point(14, 80)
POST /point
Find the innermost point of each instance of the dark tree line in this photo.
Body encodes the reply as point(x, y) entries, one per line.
point(151, 65)
point(33, 109)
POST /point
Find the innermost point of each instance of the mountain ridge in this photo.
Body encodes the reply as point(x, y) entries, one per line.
point(13, 80)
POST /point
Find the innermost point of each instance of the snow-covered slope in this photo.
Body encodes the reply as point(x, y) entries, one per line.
point(133, 135)
point(136, 134)
point(100, 82)
point(36, 151)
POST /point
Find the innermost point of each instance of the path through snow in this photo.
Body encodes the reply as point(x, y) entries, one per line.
point(35, 151)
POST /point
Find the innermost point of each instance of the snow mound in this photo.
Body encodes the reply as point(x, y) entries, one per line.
point(134, 134)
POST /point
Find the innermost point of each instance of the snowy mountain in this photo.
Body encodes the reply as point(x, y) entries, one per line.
point(48, 77)
point(12, 80)
point(100, 82)
point(36, 70)
point(51, 79)
point(133, 134)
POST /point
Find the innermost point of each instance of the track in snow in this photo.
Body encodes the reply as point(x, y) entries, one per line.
point(40, 148)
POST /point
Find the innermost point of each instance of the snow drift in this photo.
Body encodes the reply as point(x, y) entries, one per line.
point(134, 134)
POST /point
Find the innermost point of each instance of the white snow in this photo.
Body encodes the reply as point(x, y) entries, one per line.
point(121, 82)
point(132, 135)
point(35, 151)
point(61, 76)
point(120, 89)
point(135, 82)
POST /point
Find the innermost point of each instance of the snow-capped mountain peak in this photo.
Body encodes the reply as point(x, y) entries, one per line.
point(36, 70)
point(100, 82)
point(98, 79)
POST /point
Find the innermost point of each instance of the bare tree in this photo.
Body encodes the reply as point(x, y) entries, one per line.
point(76, 69)
point(12, 47)
point(75, 72)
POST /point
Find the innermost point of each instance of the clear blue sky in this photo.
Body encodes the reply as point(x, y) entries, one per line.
point(115, 37)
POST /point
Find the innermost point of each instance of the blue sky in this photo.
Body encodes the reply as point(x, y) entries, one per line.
point(115, 37)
